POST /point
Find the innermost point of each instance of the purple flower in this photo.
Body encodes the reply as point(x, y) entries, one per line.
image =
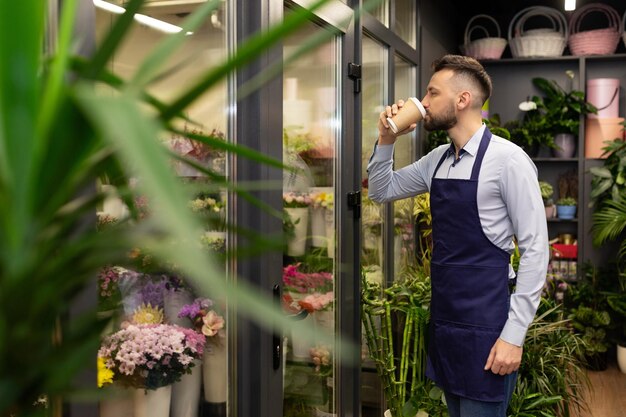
point(152, 293)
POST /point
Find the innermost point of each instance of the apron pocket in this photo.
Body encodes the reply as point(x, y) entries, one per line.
point(457, 356)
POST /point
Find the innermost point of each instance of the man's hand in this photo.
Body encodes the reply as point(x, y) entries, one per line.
point(504, 358)
point(385, 134)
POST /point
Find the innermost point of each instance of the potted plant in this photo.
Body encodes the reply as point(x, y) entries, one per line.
point(566, 208)
point(563, 110)
point(532, 131)
point(546, 194)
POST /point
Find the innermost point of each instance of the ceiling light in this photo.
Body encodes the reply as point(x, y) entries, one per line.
point(157, 24)
point(570, 5)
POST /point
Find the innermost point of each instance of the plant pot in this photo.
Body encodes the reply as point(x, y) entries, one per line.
point(300, 217)
point(550, 211)
point(566, 212)
point(318, 227)
point(621, 357)
point(186, 393)
point(215, 372)
point(153, 403)
point(117, 403)
point(565, 145)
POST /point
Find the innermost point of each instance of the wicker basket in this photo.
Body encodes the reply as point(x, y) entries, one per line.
point(597, 41)
point(543, 42)
point(483, 48)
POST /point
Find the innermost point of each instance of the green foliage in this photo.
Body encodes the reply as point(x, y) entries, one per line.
point(546, 192)
point(58, 135)
point(609, 181)
point(551, 376)
point(567, 201)
point(496, 127)
point(562, 109)
point(533, 130)
point(395, 321)
point(435, 139)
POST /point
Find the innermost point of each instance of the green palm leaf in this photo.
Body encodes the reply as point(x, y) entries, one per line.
point(609, 223)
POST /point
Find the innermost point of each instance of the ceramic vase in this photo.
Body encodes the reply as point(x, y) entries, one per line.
point(621, 357)
point(153, 403)
point(318, 227)
point(215, 371)
point(325, 320)
point(186, 393)
point(565, 145)
point(300, 217)
point(301, 348)
point(329, 216)
point(119, 402)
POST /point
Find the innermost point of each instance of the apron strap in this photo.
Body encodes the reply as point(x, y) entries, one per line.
point(484, 142)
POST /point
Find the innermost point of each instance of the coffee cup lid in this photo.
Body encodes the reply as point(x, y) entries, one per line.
point(419, 105)
point(392, 125)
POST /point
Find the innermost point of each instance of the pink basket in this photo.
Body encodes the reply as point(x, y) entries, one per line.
point(596, 41)
point(483, 48)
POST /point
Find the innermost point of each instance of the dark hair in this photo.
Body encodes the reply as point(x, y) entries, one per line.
point(469, 67)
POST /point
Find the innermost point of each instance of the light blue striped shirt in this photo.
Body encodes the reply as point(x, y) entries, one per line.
point(509, 204)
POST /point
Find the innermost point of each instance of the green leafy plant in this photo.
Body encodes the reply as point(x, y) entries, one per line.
point(551, 376)
point(435, 139)
point(532, 131)
point(399, 352)
point(563, 109)
point(546, 193)
point(58, 135)
point(566, 201)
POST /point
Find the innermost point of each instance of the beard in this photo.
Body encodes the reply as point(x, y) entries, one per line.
point(445, 121)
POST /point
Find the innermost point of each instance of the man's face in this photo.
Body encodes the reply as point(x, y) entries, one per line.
point(439, 102)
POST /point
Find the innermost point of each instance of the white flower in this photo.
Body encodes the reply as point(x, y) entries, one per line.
point(527, 105)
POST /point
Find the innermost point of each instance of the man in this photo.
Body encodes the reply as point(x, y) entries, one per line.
point(483, 193)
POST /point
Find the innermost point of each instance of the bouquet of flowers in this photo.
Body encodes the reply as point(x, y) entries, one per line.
point(292, 199)
point(297, 281)
point(205, 319)
point(322, 200)
point(213, 208)
point(150, 356)
point(317, 301)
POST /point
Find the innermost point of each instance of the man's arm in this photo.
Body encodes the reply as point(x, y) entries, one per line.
point(384, 183)
point(520, 190)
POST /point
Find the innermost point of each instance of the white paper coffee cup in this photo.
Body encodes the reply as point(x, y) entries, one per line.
point(412, 112)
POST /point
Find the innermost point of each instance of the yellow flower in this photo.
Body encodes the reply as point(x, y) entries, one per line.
point(105, 375)
point(146, 314)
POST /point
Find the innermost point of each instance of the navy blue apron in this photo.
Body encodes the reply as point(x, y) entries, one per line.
point(469, 289)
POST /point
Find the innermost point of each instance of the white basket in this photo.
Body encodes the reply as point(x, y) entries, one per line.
point(483, 48)
point(543, 42)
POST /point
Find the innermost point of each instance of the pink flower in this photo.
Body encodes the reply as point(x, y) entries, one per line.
point(212, 323)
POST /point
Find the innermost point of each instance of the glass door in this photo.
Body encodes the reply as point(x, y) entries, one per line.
point(156, 308)
point(310, 142)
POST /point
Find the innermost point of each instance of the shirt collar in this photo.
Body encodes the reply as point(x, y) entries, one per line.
point(471, 147)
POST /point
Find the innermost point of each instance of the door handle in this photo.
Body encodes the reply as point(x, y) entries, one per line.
point(277, 342)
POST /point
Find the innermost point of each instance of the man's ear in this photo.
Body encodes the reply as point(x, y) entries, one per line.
point(464, 100)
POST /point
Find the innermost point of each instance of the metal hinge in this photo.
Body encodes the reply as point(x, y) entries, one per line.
point(354, 203)
point(354, 73)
